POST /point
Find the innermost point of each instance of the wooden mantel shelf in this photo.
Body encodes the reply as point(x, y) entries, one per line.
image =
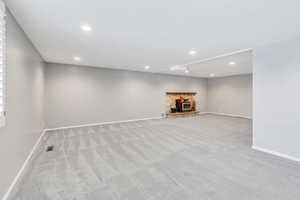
point(181, 93)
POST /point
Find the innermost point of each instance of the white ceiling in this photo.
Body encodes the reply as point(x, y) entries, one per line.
point(221, 66)
point(133, 33)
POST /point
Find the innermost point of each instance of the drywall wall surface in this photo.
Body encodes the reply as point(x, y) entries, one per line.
point(78, 95)
point(276, 98)
point(230, 95)
point(24, 103)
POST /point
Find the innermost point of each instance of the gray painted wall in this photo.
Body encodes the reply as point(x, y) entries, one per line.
point(276, 98)
point(80, 95)
point(25, 91)
point(230, 95)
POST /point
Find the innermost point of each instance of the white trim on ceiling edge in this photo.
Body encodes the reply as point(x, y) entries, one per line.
point(22, 169)
point(102, 123)
point(282, 155)
point(228, 115)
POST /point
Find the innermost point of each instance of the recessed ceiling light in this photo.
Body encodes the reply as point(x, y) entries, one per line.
point(77, 58)
point(186, 71)
point(232, 63)
point(86, 28)
point(211, 75)
point(147, 67)
point(192, 52)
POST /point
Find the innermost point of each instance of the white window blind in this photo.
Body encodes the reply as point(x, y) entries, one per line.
point(2, 62)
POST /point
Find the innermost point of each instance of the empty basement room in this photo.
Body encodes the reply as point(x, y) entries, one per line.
point(149, 100)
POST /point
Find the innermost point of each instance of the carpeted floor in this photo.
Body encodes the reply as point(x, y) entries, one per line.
point(205, 157)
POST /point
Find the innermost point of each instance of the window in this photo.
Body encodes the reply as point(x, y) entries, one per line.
point(2, 62)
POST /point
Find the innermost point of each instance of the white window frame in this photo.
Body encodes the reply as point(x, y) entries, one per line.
point(2, 64)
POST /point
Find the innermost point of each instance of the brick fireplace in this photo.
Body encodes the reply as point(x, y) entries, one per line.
point(181, 103)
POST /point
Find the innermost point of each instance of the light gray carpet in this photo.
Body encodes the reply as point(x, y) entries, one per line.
point(205, 157)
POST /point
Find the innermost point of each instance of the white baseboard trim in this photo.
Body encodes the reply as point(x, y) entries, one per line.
point(22, 169)
point(102, 123)
point(26, 162)
point(227, 114)
point(276, 153)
